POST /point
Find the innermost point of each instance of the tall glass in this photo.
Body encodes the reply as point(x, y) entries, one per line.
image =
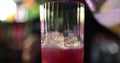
point(62, 32)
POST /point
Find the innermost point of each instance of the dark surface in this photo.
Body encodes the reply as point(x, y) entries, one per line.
point(92, 27)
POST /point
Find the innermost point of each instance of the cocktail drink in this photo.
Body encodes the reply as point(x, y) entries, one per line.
point(59, 55)
point(62, 33)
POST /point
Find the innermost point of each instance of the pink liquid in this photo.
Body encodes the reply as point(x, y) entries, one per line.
point(59, 55)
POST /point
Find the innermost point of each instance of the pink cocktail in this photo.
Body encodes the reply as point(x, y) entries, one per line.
point(59, 55)
point(62, 25)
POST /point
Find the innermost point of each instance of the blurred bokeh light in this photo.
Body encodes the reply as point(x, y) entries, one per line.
point(7, 9)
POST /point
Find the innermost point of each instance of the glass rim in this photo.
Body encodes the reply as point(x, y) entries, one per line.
point(77, 2)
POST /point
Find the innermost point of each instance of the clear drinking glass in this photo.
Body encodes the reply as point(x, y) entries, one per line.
point(62, 32)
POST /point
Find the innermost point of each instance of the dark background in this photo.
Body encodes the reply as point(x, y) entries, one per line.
point(92, 28)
